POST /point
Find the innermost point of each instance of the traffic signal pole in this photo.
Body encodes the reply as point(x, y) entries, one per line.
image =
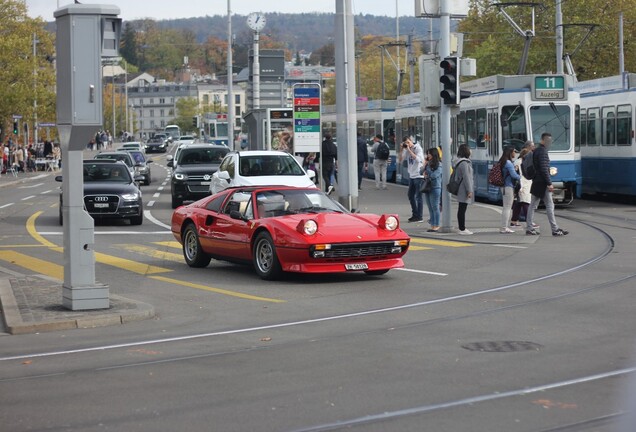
point(445, 118)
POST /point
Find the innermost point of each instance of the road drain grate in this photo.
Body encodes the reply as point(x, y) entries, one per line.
point(502, 346)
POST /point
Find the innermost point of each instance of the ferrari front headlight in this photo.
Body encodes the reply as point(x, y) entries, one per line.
point(391, 223)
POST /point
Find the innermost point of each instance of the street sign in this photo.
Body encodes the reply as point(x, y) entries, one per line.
point(548, 87)
point(17, 116)
point(307, 118)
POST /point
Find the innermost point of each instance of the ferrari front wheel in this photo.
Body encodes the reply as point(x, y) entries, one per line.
point(266, 261)
point(192, 251)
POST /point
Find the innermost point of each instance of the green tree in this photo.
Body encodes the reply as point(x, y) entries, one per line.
point(498, 48)
point(25, 80)
point(186, 109)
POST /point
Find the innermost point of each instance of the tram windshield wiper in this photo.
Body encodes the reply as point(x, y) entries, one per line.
point(558, 116)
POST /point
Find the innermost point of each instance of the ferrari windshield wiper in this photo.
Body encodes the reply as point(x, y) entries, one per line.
point(316, 209)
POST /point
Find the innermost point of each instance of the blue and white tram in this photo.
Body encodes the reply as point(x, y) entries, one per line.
point(215, 129)
point(373, 117)
point(608, 150)
point(508, 110)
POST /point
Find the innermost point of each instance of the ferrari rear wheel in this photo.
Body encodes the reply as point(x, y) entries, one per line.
point(266, 261)
point(192, 251)
point(376, 272)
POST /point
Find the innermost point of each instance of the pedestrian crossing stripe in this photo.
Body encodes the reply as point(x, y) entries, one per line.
point(151, 252)
point(34, 264)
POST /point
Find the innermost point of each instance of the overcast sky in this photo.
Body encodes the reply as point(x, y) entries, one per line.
point(167, 9)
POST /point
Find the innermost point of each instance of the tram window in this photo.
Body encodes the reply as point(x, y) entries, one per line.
point(513, 125)
point(554, 119)
point(624, 125)
point(583, 127)
point(577, 128)
point(609, 126)
point(593, 126)
point(481, 128)
point(461, 128)
point(471, 128)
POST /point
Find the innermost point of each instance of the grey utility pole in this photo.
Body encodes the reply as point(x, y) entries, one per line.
point(346, 119)
point(230, 73)
point(445, 117)
point(85, 34)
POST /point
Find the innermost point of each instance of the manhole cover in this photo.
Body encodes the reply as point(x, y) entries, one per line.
point(502, 346)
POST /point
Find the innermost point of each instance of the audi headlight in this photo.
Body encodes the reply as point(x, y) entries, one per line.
point(130, 196)
point(180, 176)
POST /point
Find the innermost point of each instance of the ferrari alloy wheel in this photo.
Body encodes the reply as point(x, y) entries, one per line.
point(192, 251)
point(265, 259)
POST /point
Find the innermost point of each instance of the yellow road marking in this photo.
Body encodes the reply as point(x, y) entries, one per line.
point(34, 264)
point(151, 252)
point(440, 242)
point(418, 248)
point(216, 290)
point(21, 246)
point(133, 266)
point(30, 226)
point(172, 244)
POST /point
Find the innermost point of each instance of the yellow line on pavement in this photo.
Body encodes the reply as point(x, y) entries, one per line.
point(173, 244)
point(30, 226)
point(440, 242)
point(216, 290)
point(151, 252)
point(34, 264)
point(418, 248)
point(133, 266)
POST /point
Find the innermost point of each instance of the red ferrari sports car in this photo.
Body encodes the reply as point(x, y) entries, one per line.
point(286, 229)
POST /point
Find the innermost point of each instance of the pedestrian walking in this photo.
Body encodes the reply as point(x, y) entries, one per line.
point(542, 188)
point(381, 154)
point(363, 158)
point(328, 158)
point(465, 196)
point(523, 197)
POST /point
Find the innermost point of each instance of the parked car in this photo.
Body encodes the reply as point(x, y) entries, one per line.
point(110, 192)
point(158, 143)
point(286, 229)
point(123, 156)
point(193, 169)
point(260, 167)
point(141, 165)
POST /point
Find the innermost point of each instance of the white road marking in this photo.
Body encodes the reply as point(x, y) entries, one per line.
point(422, 271)
point(150, 204)
point(6, 205)
point(155, 221)
point(27, 198)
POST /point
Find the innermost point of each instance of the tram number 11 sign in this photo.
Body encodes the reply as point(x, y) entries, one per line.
point(307, 118)
point(549, 87)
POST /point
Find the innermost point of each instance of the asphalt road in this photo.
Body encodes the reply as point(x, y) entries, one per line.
point(469, 337)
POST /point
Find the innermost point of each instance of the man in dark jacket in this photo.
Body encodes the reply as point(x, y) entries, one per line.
point(328, 155)
point(363, 158)
point(542, 187)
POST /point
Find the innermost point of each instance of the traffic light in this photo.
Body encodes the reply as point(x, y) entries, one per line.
point(26, 127)
point(450, 79)
point(195, 121)
point(15, 127)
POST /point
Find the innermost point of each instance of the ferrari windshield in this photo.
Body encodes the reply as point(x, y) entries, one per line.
point(294, 201)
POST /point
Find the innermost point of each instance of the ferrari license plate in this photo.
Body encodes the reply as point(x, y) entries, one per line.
point(356, 266)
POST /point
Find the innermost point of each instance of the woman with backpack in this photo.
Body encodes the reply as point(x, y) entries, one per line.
point(511, 176)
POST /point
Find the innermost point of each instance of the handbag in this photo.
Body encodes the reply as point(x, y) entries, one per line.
point(427, 185)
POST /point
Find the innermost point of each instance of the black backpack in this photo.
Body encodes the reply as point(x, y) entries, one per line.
point(528, 169)
point(382, 151)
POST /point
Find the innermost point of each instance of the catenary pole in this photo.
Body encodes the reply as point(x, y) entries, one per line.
point(230, 73)
point(445, 117)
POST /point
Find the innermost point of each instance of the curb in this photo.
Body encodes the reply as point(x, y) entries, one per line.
point(16, 325)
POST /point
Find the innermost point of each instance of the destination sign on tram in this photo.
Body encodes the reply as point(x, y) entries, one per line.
point(549, 87)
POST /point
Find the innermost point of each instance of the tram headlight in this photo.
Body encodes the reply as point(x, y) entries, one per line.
point(553, 171)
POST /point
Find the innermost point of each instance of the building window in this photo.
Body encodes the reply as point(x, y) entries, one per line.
point(163, 124)
point(237, 99)
point(206, 99)
point(152, 113)
point(161, 114)
point(170, 112)
point(162, 101)
point(152, 124)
